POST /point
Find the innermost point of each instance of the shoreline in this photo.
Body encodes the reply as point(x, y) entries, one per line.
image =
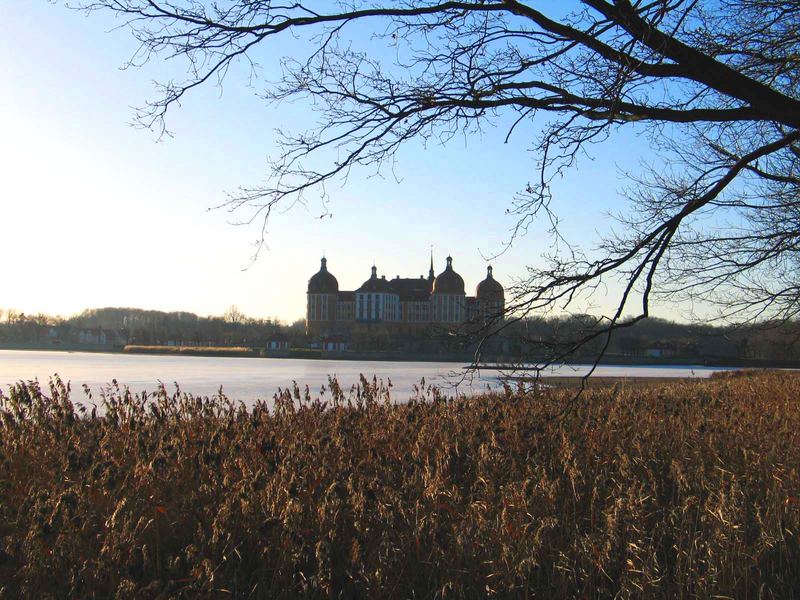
point(390, 356)
point(606, 381)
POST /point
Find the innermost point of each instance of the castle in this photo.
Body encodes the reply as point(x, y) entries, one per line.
point(399, 306)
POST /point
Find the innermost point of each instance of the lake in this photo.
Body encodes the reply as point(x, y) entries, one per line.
point(247, 379)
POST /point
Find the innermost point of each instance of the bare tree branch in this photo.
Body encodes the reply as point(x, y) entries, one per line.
point(717, 219)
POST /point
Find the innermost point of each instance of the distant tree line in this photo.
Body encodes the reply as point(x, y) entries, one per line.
point(120, 326)
point(652, 338)
point(656, 338)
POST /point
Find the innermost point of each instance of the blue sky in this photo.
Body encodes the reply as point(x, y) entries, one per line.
point(95, 212)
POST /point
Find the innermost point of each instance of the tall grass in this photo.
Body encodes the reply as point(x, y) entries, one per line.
point(191, 350)
point(685, 490)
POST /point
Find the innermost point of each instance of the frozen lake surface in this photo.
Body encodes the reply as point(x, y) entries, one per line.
point(248, 379)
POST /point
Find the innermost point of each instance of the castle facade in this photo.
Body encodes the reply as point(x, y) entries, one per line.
point(405, 306)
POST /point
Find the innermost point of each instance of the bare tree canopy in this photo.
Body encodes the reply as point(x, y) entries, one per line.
point(714, 83)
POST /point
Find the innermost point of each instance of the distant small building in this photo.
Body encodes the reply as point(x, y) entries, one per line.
point(654, 352)
point(279, 341)
point(334, 343)
point(673, 347)
point(92, 337)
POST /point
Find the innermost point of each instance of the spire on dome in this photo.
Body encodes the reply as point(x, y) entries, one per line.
point(431, 274)
point(323, 282)
point(490, 290)
point(448, 281)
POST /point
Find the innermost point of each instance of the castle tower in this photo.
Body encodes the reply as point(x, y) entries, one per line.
point(448, 296)
point(323, 289)
point(490, 297)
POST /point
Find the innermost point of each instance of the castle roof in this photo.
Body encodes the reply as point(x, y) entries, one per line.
point(323, 282)
point(410, 289)
point(374, 284)
point(448, 281)
point(489, 289)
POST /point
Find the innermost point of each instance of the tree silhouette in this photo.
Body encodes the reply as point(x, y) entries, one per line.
point(713, 82)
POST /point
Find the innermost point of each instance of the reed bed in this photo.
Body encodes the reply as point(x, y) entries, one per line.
point(191, 350)
point(684, 490)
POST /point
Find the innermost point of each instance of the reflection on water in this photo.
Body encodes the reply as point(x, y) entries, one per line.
point(247, 379)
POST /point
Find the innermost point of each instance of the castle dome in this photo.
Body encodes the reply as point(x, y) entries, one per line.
point(490, 290)
point(323, 282)
point(448, 281)
point(373, 284)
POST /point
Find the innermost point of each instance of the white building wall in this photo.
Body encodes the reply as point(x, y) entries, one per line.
point(448, 308)
point(372, 306)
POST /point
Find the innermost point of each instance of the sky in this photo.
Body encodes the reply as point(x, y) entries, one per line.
point(95, 212)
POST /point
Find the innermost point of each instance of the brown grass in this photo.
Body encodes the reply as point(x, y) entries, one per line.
point(191, 350)
point(685, 490)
